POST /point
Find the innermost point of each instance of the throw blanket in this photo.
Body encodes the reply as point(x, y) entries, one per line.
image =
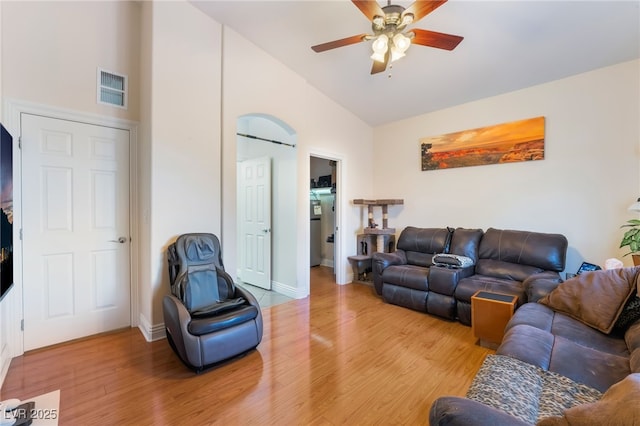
point(526, 391)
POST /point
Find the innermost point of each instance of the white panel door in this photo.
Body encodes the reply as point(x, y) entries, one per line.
point(255, 190)
point(75, 229)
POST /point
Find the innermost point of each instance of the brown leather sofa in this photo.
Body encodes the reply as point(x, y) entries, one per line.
point(512, 262)
point(505, 261)
point(585, 332)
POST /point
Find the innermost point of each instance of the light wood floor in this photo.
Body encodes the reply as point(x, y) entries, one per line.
point(341, 356)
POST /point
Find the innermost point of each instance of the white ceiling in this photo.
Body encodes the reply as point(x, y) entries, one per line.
point(508, 45)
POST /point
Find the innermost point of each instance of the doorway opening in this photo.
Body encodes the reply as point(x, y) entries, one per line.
point(322, 212)
point(266, 205)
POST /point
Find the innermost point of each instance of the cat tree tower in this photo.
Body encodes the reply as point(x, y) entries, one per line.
point(373, 239)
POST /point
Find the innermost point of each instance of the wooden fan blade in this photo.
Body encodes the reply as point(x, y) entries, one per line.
point(369, 8)
point(435, 39)
point(422, 8)
point(338, 43)
point(380, 66)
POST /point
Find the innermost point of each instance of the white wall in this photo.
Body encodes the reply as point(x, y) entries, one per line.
point(256, 83)
point(56, 66)
point(185, 96)
point(581, 189)
point(51, 52)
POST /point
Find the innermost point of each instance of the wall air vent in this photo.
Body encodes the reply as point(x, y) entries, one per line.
point(112, 88)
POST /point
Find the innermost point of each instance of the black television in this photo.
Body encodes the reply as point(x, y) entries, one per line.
point(6, 212)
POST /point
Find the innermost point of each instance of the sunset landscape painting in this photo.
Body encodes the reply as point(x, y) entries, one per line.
point(521, 140)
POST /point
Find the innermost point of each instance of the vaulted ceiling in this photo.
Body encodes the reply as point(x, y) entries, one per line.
point(508, 45)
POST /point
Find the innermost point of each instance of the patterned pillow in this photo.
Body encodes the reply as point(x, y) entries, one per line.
point(630, 314)
point(526, 391)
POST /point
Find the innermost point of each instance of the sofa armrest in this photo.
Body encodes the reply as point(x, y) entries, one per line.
point(457, 411)
point(539, 285)
point(381, 261)
point(444, 280)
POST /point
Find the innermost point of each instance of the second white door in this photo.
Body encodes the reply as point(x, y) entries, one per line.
point(255, 210)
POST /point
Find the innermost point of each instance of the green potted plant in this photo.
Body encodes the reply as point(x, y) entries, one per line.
point(631, 239)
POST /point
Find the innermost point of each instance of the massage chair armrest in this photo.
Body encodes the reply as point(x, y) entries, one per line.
point(381, 261)
point(457, 411)
point(176, 321)
point(252, 301)
point(539, 285)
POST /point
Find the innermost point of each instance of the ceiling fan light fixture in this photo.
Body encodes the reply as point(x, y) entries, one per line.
point(401, 42)
point(378, 21)
point(380, 46)
point(400, 45)
point(407, 19)
point(395, 55)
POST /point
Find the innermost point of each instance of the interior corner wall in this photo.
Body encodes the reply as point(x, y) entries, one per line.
point(185, 186)
point(581, 189)
point(254, 82)
point(145, 293)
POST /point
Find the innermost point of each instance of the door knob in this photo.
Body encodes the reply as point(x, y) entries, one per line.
point(266, 230)
point(120, 240)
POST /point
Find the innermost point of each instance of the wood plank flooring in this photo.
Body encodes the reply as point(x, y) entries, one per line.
point(341, 356)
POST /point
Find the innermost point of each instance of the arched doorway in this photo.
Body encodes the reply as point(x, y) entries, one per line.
point(266, 241)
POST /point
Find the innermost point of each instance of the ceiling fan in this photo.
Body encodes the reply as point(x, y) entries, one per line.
point(389, 23)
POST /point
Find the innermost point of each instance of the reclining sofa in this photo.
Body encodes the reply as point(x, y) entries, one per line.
point(571, 357)
point(519, 263)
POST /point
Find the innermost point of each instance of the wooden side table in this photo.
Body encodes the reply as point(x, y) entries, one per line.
point(490, 313)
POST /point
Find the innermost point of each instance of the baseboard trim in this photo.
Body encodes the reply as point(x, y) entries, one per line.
point(287, 290)
point(350, 277)
point(151, 332)
point(327, 262)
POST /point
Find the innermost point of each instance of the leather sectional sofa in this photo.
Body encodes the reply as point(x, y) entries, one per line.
point(504, 261)
point(571, 358)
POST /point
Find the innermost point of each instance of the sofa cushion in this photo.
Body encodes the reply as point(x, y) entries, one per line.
point(544, 338)
point(618, 406)
point(468, 286)
point(525, 391)
point(466, 242)
point(425, 240)
point(506, 270)
point(558, 324)
point(595, 298)
point(541, 250)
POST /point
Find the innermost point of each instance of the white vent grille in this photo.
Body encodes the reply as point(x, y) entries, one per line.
point(112, 88)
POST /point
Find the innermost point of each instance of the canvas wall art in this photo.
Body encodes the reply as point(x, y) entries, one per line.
point(521, 140)
point(6, 211)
